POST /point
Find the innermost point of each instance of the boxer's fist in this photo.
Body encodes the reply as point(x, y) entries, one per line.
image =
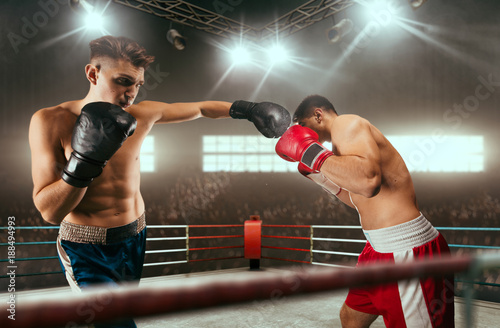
point(270, 119)
point(99, 132)
point(320, 179)
point(300, 144)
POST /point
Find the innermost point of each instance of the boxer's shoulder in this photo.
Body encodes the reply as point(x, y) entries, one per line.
point(348, 120)
point(56, 119)
point(146, 112)
point(350, 124)
point(64, 110)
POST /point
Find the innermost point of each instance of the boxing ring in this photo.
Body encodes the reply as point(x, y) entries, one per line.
point(252, 241)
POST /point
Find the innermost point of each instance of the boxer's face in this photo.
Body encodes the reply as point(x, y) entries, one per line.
point(118, 82)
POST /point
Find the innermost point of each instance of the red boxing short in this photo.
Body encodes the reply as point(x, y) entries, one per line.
point(427, 302)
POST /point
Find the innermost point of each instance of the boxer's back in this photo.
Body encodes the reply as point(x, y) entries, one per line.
point(396, 201)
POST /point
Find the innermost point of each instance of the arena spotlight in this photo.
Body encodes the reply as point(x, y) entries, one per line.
point(94, 21)
point(240, 56)
point(175, 38)
point(416, 3)
point(92, 16)
point(277, 54)
point(339, 30)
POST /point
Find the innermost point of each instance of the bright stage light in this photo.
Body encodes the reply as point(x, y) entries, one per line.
point(91, 14)
point(381, 11)
point(278, 54)
point(94, 21)
point(240, 56)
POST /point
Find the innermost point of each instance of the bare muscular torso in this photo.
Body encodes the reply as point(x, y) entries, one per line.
point(396, 201)
point(113, 198)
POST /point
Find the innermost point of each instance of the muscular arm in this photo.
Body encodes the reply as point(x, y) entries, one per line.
point(357, 167)
point(53, 197)
point(180, 112)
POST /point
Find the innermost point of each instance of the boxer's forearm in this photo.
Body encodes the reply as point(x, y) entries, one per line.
point(354, 173)
point(215, 109)
point(57, 200)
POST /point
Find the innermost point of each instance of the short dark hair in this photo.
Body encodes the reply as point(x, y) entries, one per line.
point(306, 107)
point(120, 48)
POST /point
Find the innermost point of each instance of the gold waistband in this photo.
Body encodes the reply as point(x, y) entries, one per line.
point(98, 235)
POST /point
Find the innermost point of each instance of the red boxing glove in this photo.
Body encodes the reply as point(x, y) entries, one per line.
point(300, 144)
point(320, 179)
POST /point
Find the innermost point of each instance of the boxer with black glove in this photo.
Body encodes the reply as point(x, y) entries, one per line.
point(99, 132)
point(269, 118)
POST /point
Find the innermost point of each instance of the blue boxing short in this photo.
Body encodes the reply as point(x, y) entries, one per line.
point(94, 255)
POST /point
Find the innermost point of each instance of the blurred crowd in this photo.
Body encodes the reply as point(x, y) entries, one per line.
point(228, 198)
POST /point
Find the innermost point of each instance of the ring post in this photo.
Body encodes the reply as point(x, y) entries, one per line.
point(252, 241)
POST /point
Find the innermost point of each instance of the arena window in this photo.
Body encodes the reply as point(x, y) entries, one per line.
point(446, 153)
point(148, 154)
point(421, 153)
point(242, 154)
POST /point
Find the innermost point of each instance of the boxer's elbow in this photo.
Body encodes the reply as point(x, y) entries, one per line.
point(49, 213)
point(50, 216)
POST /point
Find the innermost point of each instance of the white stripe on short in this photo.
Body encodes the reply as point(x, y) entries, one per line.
point(68, 270)
point(411, 295)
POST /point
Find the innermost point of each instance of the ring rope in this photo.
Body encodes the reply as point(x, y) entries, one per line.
point(166, 251)
point(341, 240)
point(164, 263)
point(286, 237)
point(215, 247)
point(288, 248)
point(166, 238)
point(211, 237)
point(268, 225)
point(140, 301)
point(335, 253)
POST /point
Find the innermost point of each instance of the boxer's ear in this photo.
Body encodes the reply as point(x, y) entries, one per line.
point(91, 72)
point(318, 115)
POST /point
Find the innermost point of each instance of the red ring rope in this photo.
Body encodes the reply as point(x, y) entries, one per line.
point(288, 248)
point(215, 247)
point(216, 226)
point(220, 290)
point(286, 237)
point(207, 237)
point(285, 226)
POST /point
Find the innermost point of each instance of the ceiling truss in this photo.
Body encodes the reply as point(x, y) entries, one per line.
point(182, 12)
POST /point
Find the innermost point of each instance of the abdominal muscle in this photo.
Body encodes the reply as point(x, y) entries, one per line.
point(107, 211)
point(113, 199)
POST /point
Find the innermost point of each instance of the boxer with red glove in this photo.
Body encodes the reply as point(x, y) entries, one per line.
point(301, 144)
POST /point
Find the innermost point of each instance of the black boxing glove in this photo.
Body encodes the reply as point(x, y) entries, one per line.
point(99, 132)
point(270, 119)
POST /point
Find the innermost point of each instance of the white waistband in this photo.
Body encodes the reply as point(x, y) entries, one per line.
point(403, 236)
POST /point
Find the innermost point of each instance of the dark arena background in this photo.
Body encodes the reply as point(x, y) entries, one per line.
point(417, 74)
